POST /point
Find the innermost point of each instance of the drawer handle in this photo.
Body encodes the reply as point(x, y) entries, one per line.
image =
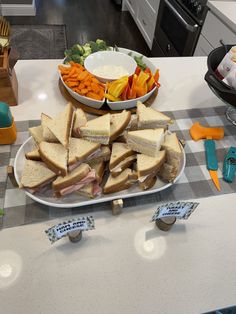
point(130, 2)
point(144, 23)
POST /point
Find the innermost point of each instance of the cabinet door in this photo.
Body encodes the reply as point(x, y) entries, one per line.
point(146, 21)
point(214, 30)
point(203, 47)
point(132, 6)
point(154, 4)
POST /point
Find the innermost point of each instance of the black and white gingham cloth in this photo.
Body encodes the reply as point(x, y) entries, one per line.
point(194, 183)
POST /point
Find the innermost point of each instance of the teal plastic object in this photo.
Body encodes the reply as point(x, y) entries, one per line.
point(229, 166)
point(5, 115)
point(211, 159)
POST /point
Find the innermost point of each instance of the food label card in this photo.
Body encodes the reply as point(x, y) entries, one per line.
point(180, 210)
point(62, 229)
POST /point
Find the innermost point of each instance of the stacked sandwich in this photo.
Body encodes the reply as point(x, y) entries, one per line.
point(72, 153)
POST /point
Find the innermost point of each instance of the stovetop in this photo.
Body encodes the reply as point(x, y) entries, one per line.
point(196, 8)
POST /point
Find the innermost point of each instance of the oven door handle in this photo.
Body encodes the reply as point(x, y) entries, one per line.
point(191, 28)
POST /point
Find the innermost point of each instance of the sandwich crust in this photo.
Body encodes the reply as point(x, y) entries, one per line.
point(120, 151)
point(123, 165)
point(147, 164)
point(121, 182)
point(61, 126)
point(119, 121)
point(33, 155)
point(80, 149)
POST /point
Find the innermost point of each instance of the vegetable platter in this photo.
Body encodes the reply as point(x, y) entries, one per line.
point(117, 95)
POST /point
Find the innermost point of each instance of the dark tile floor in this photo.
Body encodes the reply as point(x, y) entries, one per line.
point(87, 20)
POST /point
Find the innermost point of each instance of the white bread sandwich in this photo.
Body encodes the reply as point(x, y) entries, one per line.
point(119, 122)
point(80, 119)
point(148, 168)
point(37, 134)
point(149, 118)
point(36, 176)
point(168, 172)
point(61, 125)
point(147, 141)
point(104, 154)
point(74, 181)
point(173, 150)
point(90, 190)
point(33, 155)
point(47, 134)
point(93, 189)
point(133, 124)
point(55, 157)
point(99, 167)
point(81, 150)
point(122, 157)
point(122, 182)
point(97, 130)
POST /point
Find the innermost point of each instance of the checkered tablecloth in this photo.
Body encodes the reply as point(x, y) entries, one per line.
point(194, 183)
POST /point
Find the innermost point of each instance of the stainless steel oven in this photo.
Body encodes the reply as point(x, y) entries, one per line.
point(178, 27)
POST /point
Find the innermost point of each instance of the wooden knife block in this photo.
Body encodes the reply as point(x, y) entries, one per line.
point(8, 80)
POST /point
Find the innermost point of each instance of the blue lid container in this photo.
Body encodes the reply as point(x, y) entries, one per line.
point(5, 115)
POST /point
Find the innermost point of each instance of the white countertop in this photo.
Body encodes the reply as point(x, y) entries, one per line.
point(226, 11)
point(126, 265)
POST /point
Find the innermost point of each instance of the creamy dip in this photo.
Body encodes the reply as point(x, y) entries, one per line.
point(110, 71)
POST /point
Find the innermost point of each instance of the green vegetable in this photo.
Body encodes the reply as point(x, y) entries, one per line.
point(78, 53)
point(93, 46)
point(139, 61)
point(77, 49)
point(101, 44)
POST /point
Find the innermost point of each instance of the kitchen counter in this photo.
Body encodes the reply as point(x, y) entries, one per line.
point(125, 265)
point(226, 11)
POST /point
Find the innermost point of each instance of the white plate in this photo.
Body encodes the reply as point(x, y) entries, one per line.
point(74, 200)
point(115, 105)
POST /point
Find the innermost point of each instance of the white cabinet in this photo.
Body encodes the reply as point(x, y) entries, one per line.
point(214, 30)
point(203, 47)
point(132, 6)
point(144, 13)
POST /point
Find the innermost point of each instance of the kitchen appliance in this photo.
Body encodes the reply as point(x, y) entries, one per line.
point(178, 27)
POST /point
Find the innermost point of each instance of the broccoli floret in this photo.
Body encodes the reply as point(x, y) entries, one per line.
point(67, 60)
point(77, 49)
point(87, 50)
point(101, 44)
point(82, 58)
point(76, 58)
point(67, 52)
point(93, 46)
